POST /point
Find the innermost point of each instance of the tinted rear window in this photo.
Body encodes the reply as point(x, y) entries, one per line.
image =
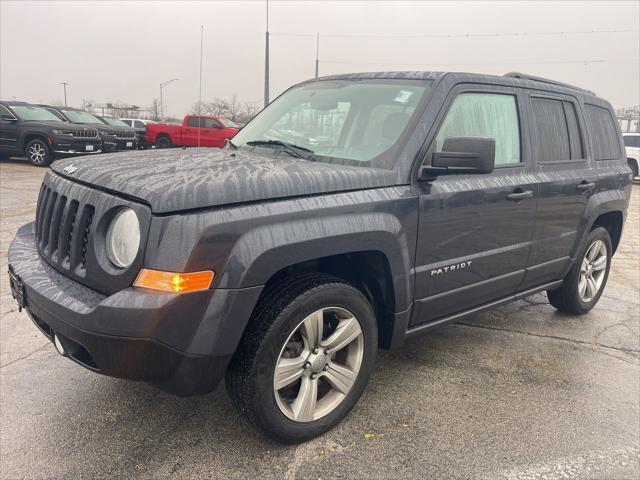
point(552, 132)
point(604, 138)
point(632, 141)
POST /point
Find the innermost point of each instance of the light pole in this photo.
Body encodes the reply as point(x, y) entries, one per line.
point(162, 85)
point(64, 85)
point(266, 61)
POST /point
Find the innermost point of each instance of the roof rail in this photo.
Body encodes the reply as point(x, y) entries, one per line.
point(524, 76)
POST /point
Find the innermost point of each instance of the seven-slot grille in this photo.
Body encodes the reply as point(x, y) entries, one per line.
point(85, 133)
point(63, 229)
point(126, 134)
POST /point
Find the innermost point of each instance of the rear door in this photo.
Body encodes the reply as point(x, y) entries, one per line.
point(475, 230)
point(565, 183)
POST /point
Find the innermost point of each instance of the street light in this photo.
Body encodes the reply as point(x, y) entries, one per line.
point(64, 85)
point(163, 84)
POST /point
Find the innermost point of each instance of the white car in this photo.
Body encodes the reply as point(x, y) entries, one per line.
point(632, 146)
point(137, 122)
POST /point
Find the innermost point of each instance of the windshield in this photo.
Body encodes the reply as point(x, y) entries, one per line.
point(78, 116)
point(29, 112)
point(115, 121)
point(346, 121)
point(228, 123)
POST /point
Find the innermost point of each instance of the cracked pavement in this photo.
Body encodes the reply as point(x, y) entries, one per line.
point(518, 392)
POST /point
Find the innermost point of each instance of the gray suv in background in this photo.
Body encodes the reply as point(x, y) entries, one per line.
point(354, 212)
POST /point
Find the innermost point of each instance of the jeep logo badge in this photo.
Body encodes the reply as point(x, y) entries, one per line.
point(70, 169)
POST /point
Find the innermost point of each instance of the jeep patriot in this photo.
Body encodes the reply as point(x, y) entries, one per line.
point(352, 213)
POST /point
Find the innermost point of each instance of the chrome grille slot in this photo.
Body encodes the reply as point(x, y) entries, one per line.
point(70, 221)
point(125, 134)
point(85, 133)
point(42, 207)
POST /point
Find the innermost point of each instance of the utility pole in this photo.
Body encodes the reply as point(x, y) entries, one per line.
point(266, 61)
point(317, 49)
point(200, 87)
point(64, 85)
point(163, 84)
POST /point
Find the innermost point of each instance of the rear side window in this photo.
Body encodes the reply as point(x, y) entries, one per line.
point(604, 137)
point(557, 132)
point(492, 115)
point(632, 141)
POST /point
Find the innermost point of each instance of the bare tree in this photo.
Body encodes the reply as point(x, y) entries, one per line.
point(198, 108)
point(154, 109)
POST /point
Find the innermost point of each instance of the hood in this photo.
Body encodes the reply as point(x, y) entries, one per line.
point(174, 180)
point(47, 124)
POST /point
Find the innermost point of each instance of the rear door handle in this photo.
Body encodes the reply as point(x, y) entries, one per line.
point(584, 186)
point(518, 195)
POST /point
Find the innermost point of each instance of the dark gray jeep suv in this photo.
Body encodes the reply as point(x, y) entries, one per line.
point(352, 213)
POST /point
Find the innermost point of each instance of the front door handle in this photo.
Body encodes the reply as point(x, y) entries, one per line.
point(518, 195)
point(584, 186)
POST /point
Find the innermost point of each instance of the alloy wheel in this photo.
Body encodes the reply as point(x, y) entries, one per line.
point(318, 364)
point(37, 153)
point(592, 271)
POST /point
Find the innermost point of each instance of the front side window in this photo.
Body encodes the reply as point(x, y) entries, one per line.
point(4, 112)
point(202, 122)
point(34, 113)
point(604, 136)
point(357, 122)
point(491, 115)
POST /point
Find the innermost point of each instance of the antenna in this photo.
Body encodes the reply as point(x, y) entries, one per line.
point(200, 88)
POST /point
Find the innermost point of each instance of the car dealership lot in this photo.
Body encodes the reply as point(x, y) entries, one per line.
point(518, 392)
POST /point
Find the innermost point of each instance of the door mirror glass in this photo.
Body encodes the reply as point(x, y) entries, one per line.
point(462, 155)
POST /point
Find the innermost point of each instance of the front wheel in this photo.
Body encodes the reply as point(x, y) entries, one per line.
point(38, 153)
point(305, 359)
point(586, 280)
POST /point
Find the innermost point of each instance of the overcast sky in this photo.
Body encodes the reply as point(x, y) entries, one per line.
point(120, 51)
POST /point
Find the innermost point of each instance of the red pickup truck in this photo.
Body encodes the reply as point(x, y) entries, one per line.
point(195, 131)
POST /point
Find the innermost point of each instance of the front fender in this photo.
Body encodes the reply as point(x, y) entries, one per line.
point(267, 249)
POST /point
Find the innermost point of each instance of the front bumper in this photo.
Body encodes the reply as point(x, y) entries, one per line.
point(76, 146)
point(127, 143)
point(181, 343)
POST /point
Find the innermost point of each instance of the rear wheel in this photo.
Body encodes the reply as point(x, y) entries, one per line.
point(305, 359)
point(38, 153)
point(164, 142)
point(586, 280)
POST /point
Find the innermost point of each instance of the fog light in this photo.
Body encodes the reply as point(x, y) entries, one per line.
point(58, 344)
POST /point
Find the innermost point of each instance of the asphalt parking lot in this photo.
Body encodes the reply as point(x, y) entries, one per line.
point(520, 392)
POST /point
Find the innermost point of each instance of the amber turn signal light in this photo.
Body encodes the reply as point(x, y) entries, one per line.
point(174, 282)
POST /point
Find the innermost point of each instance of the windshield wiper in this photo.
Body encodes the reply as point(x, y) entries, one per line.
point(297, 150)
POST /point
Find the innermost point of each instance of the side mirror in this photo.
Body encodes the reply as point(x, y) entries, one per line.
point(462, 155)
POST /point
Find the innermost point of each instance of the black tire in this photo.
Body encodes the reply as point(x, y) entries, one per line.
point(38, 153)
point(566, 298)
point(250, 376)
point(164, 142)
point(633, 165)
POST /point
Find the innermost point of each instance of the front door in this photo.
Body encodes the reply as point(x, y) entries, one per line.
point(475, 230)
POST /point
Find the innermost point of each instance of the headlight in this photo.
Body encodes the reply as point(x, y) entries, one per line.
point(61, 132)
point(123, 238)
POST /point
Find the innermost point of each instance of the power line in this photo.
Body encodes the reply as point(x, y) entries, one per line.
point(586, 62)
point(462, 35)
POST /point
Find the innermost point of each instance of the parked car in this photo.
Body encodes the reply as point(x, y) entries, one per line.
point(194, 131)
point(284, 266)
point(632, 147)
point(140, 126)
point(113, 138)
point(41, 136)
point(124, 142)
